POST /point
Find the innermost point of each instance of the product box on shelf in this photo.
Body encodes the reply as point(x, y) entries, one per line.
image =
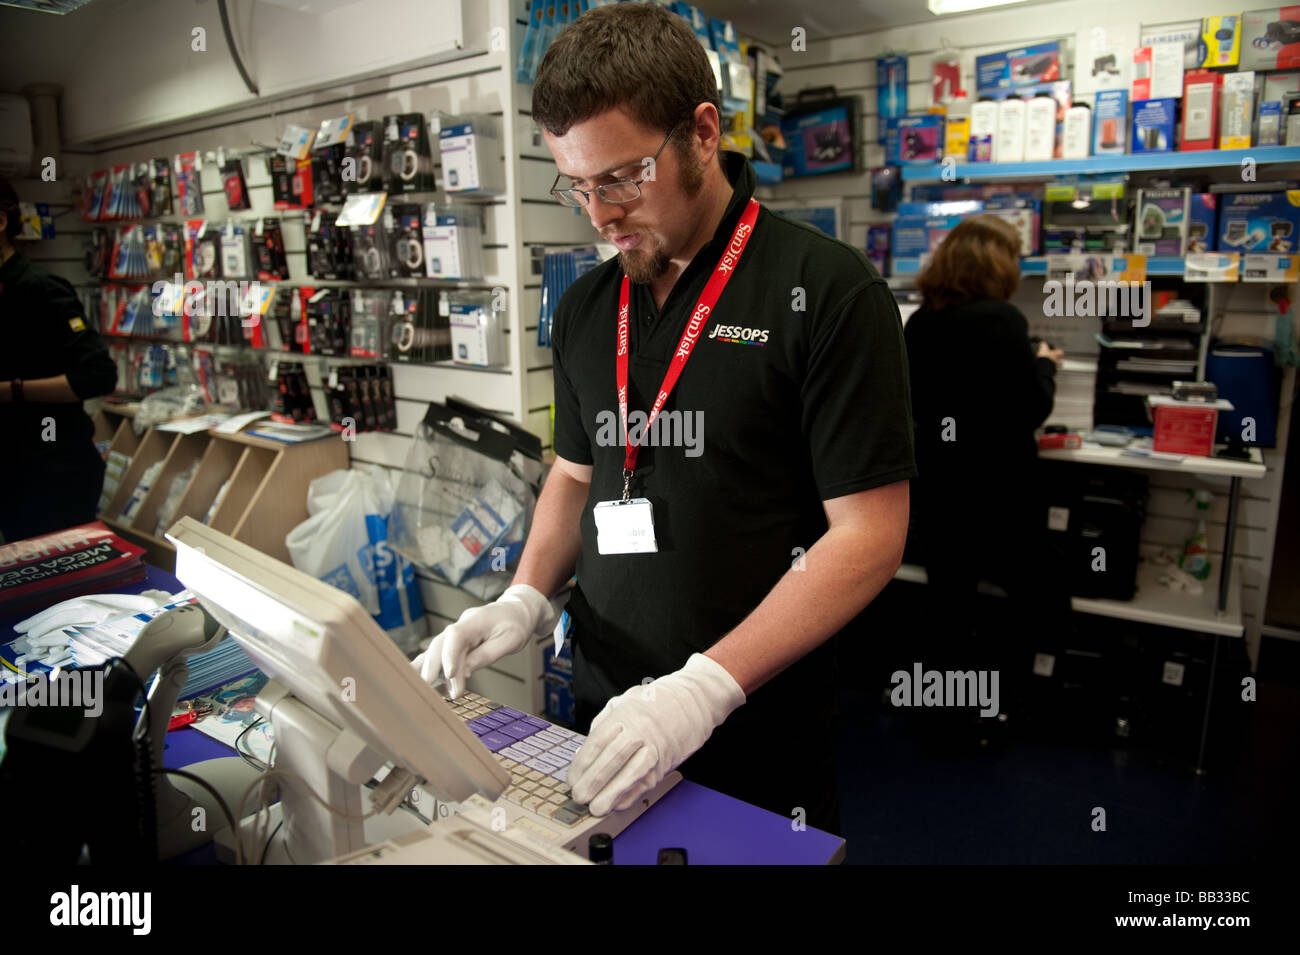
point(1023, 213)
point(1185, 427)
point(1200, 110)
point(1220, 43)
point(1110, 125)
point(891, 91)
point(878, 240)
point(1153, 125)
point(915, 236)
point(1270, 39)
point(1035, 119)
point(1020, 67)
point(1259, 221)
point(914, 139)
point(956, 137)
point(1237, 110)
point(1160, 220)
point(1201, 219)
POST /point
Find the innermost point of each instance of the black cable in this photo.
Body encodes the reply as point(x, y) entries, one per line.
point(144, 691)
point(230, 816)
point(249, 758)
point(266, 847)
point(234, 53)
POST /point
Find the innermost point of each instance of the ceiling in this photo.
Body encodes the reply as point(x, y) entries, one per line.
point(772, 20)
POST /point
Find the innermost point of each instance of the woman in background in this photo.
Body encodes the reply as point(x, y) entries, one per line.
point(979, 390)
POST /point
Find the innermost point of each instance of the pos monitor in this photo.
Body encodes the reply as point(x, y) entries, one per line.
point(344, 700)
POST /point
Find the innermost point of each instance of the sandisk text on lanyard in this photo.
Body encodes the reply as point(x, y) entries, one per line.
point(627, 526)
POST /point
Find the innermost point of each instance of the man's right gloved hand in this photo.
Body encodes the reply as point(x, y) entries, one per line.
point(485, 634)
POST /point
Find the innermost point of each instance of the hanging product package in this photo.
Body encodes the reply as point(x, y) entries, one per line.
point(466, 497)
point(345, 543)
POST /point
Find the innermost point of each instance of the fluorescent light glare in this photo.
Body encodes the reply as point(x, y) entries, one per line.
point(941, 7)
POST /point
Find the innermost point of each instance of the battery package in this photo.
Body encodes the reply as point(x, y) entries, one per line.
point(1237, 110)
point(1200, 110)
point(1160, 221)
point(1153, 125)
point(471, 151)
point(1201, 222)
point(1110, 125)
point(1259, 221)
point(1270, 39)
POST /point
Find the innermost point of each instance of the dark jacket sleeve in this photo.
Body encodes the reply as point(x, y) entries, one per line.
point(84, 358)
point(1035, 377)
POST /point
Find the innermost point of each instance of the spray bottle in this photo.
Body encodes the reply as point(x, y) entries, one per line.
point(1196, 552)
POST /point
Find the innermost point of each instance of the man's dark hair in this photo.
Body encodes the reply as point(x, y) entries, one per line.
point(635, 55)
point(9, 206)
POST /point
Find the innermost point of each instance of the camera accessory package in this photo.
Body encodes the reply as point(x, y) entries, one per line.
point(1270, 39)
point(478, 335)
point(1153, 125)
point(189, 188)
point(408, 163)
point(1160, 221)
point(453, 242)
point(235, 186)
point(471, 154)
point(365, 150)
point(821, 130)
point(404, 227)
point(291, 182)
point(914, 139)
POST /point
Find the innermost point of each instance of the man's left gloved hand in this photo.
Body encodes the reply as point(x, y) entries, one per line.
point(645, 733)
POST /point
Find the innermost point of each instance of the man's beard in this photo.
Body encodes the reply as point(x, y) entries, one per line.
point(642, 267)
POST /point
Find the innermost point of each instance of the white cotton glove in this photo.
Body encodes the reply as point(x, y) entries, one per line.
point(485, 634)
point(46, 627)
point(645, 733)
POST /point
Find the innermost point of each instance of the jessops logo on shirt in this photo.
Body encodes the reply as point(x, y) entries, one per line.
point(738, 335)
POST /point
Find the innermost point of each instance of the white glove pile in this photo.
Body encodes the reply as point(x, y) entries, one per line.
point(45, 638)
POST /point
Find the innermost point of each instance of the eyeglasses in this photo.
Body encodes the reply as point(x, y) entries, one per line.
point(620, 190)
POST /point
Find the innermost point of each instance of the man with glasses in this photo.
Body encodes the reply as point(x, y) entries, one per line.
point(710, 578)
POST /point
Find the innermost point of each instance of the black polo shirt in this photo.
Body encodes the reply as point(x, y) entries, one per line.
point(803, 400)
point(52, 473)
point(46, 334)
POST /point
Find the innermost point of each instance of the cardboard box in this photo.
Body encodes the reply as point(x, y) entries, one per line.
point(914, 139)
point(1158, 71)
point(1270, 39)
point(1023, 213)
point(1153, 125)
point(1110, 122)
point(915, 236)
point(1237, 110)
point(1201, 220)
point(1220, 43)
point(1200, 110)
point(1185, 427)
point(1259, 221)
point(1022, 67)
point(1160, 220)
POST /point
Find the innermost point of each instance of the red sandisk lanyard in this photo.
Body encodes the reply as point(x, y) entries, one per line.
point(703, 308)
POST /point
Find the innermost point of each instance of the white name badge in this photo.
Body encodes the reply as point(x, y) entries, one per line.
point(625, 527)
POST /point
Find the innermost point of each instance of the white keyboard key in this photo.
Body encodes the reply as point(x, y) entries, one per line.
point(531, 803)
point(550, 736)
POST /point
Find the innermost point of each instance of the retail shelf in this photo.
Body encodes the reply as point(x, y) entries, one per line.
point(1152, 604)
point(1037, 265)
point(1189, 464)
point(1100, 165)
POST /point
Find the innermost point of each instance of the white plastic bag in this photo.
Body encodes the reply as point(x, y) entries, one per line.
point(345, 543)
